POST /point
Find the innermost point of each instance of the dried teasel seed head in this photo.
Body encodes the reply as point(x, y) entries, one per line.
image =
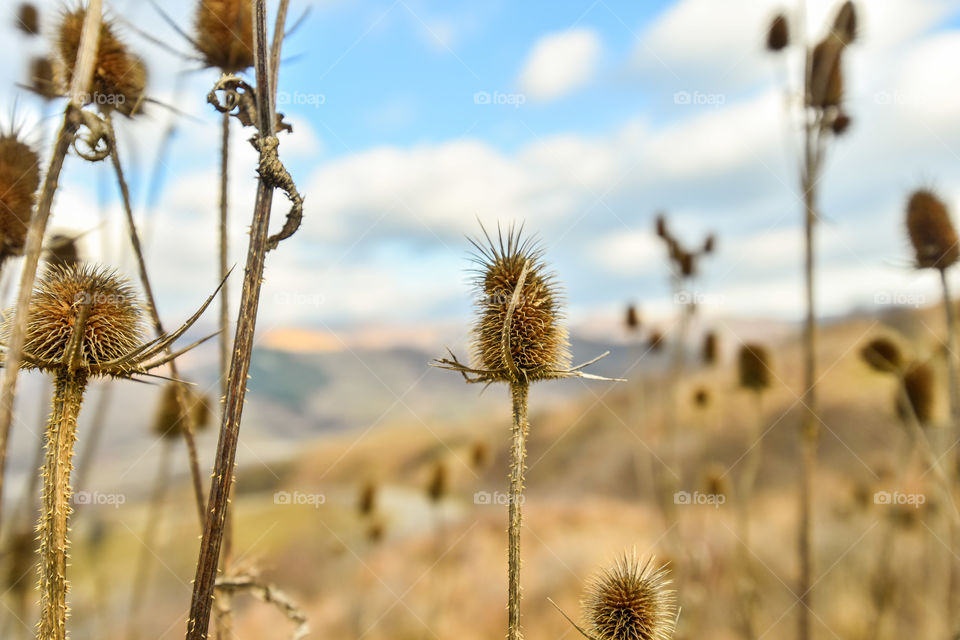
point(367, 501)
point(631, 601)
point(701, 397)
point(882, 354)
point(119, 77)
point(437, 487)
point(62, 250)
point(479, 455)
point(632, 319)
point(169, 421)
point(19, 180)
point(840, 124)
point(919, 382)
point(754, 367)
point(201, 410)
point(845, 24)
point(224, 34)
point(41, 78)
point(537, 342)
point(826, 74)
point(655, 342)
point(710, 348)
point(932, 234)
point(778, 36)
point(114, 325)
point(28, 18)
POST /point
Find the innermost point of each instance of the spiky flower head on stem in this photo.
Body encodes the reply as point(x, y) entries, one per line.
point(631, 601)
point(224, 34)
point(632, 319)
point(710, 348)
point(883, 355)
point(754, 367)
point(778, 36)
point(932, 234)
point(19, 180)
point(28, 18)
point(919, 382)
point(169, 421)
point(41, 78)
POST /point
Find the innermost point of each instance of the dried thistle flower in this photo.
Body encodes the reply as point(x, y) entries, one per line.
point(119, 77)
point(632, 319)
point(367, 501)
point(826, 74)
point(754, 367)
point(28, 18)
point(19, 180)
point(169, 421)
point(224, 34)
point(41, 78)
point(883, 355)
point(437, 487)
point(845, 24)
point(631, 601)
point(918, 384)
point(931, 231)
point(778, 36)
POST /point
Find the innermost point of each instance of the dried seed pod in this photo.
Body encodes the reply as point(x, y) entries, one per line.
point(845, 24)
point(62, 250)
point(169, 421)
point(754, 367)
point(537, 341)
point(119, 77)
point(28, 18)
point(201, 410)
point(931, 231)
point(479, 455)
point(655, 342)
point(918, 382)
point(437, 487)
point(826, 74)
point(41, 78)
point(114, 325)
point(19, 180)
point(632, 319)
point(367, 501)
point(883, 355)
point(701, 397)
point(709, 353)
point(778, 37)
point(840, 124)
point(224, 34)
point(631, 601)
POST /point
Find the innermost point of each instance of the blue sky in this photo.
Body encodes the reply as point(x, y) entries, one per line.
point(399, 151)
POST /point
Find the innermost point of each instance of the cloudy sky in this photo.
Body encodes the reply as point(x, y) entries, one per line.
point(414, 118)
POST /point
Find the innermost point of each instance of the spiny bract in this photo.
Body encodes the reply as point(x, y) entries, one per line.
point(537, 341)
point(631, 601)
point(114, 326)
point(224, 34)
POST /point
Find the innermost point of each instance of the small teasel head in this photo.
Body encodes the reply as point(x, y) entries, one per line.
point(715, 480)
point(931, 231)
point(826, 73)
point(114, 323)
point(778, 36)
point(655, 341)
point(169, 421)
point(479, 455)
point(201, 408)
point(536, 343)
point(28, 18)
point(919, 382)
point(632, 318)
point(119, 77)
point(437, 487)
point(41, 78)
point(754, 367)
point(224, 34)
point(883, 355)
point(709, 352)
point(19, 180)
point(367, 500)
point(701, 397)
point(631, 601)
point(62, 250)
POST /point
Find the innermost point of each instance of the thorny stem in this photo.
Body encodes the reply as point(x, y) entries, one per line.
point(186, 415)
point(222, 479)
point(52, 528)
point(518, 455)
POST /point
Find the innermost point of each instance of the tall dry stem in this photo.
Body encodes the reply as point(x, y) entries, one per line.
point(518, 456)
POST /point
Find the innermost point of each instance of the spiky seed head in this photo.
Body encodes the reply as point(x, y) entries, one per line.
point(655, 342)
point(709, 352)
point(845, 24)
point(778, 36)
point(701, 397)
point(224, 34)
point(201, 410)
point(538, 341)
point(919, 381)
point(631, 601)
point(367, 501)
point(62, 250)
point(754, 367)
point(28, 18)
point(883, 355)
point(114, 325)
point(826, 74)
point(169, 421)
point(479, 455)
point(119, 77)
point(19, 180)
point(437, 487)
point(632, 319)
point(932, 234)
point(41, 78)
point(840, 124)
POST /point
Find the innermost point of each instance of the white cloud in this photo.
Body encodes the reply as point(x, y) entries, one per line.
point(560, 63)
